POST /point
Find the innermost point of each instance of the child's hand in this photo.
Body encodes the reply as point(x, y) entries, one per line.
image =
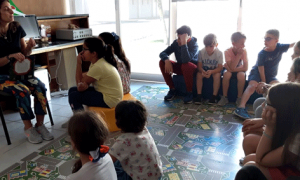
point(168, 67)
point(208, 72)
point(240, 51)
point(269, 116)
point(82, 86)
point(260, 87)
point(184, 38)
point(80, 58)
point(252, 125)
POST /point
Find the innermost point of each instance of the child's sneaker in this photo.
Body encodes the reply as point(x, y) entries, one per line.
point(171, 94)
point(188, 98)
point(223, 101)
point(213, 100)
point(242, 113)
point(238, 101)
point(198, 99)
point(43, 131)
point(33, 136)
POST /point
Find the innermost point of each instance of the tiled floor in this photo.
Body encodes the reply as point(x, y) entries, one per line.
point(20, 147)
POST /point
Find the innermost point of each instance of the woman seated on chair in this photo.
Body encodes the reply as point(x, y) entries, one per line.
point(13, 47)
point(107, 86)
point(122, 61)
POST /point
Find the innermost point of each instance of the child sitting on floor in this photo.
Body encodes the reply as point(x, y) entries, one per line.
point(134, 153)
point(88, 132)
point(278, 152)
point(210, 60)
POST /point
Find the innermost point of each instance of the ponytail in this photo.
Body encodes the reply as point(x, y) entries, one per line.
point(102, 50)
point(114, 40)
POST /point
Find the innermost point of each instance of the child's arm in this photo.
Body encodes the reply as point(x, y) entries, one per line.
point(188, 52)
point(292, 45)
point(232, 63)
point(217, 70)
point(261, 70)
point(244, 67)
point(114, 159)
point(220, 65)
point(165, 54)
point(200, 67)
point(265, 155)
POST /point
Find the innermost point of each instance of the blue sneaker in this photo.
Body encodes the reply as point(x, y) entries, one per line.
point(188, 98)
point(242, 113)
point(171, 94)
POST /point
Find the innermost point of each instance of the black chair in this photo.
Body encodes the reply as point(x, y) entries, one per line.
point(4, 97)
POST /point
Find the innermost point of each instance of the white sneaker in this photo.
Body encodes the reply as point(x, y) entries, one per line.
point(33, 136)
point(43, 131)
point(223, 101)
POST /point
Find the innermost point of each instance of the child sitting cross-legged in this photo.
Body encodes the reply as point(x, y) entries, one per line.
point(88, 132)
point(134, 153)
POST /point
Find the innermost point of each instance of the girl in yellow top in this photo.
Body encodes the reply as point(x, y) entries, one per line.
point(102, 74)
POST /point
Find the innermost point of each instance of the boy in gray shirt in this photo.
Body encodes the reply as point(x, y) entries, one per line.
point(210, 60)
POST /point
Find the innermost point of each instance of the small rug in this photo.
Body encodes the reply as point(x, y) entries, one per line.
point(195, 142)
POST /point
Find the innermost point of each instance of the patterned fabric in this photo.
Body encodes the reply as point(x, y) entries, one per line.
point(124, 74)
point(138, 155)
point(22, 90)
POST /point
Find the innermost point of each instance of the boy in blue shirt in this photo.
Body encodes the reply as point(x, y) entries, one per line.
point(265, 69)
point(186, 53)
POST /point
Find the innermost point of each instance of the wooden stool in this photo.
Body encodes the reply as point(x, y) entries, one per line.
point(108, 114)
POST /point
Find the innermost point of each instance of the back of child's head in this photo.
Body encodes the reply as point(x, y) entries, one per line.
point(285, 98)
point(298, 45)
point(184, 30)
point(274, 32)
point(87, 131)
point(210, 40)
point(114, 40)
point(131, 116)
point(296, 66)
point(235, 37)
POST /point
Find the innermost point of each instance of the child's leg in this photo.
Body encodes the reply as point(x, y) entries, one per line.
point(217, 81)
point(188, 70)
point(249, 157)
point(167, 76)
point(226, 79)
point(121, 174)
point(248, 92)
point(199, 82)
point(250, 143)
point(241, 83)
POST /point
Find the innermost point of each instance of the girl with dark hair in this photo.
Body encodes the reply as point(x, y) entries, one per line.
point(14, 48)
point(122, 61)
point(253, 128)
point(278, 152)
point(134, 153)
point(107, 86)
point(88, 131)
